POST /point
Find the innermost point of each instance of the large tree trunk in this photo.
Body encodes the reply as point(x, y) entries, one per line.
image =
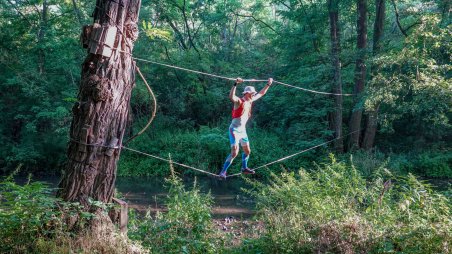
point(333, 11)
point(100, 115)
point(372, 115)
point(360, 73)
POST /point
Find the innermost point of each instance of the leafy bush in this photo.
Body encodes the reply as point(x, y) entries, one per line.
point(333, 209)
point(434, 164)
point(185, 228)
point(32, 220)
point(26, 214)
point(368, 162)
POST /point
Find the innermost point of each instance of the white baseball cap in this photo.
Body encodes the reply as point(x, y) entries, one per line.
point(249, 89)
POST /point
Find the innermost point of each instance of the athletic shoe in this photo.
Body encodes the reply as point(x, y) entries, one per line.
point(247, 171)
point(222, 176)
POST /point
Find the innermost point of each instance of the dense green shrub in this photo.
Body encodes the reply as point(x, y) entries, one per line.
point(432, 164)
point(333, 209)
point(26, 213)
point(32, 220)
point(185, 228)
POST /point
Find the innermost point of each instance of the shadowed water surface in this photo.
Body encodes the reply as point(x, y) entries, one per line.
point(150, 193)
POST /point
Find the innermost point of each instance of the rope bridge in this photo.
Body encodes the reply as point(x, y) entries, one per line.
point(220, 77)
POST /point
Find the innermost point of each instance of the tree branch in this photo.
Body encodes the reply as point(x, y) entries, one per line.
point(20, 13)
point(176, 30)
point(190, 39)
point(397, 18)
point(36, 9)
point(257, 20)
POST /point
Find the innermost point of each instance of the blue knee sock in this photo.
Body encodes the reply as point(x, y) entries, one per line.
point(245, 159)
point(226, 165)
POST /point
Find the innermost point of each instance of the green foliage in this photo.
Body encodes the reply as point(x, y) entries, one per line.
point(26, 213)
point(430, 163)
point(435, 164)
point(413, 85)
point(30, 215)
point(333, 209)
point(34, 221)
point(185, 228)
point(155, 33)
point(290, 41)
point(39, 63)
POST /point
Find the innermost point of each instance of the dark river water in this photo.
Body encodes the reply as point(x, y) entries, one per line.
point(145, 194)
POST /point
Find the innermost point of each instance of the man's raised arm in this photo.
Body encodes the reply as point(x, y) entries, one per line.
point(232, 95)
point(263, 91)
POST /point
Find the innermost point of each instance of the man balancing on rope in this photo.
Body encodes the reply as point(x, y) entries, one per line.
point(241, 112)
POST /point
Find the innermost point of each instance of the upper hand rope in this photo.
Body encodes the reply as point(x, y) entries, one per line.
point(312, 91)
point(245, 80)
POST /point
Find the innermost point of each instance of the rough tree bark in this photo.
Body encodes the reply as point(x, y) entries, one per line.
point(333, 12)
point(372, 115)
point(360, 74)
point(100, 115)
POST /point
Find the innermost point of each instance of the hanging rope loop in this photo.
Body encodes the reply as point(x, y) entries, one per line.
point(154, 109)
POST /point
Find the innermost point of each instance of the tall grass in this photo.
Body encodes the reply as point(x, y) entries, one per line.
point(334, 210)
point(185, 228)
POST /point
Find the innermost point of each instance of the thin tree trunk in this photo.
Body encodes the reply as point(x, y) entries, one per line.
point(41, 35)
point(380, 14)
point(77, 12)
point(333, 11)
point(360, 74)
point(190, 39)
point(372, 115)
point(101, 113)
point(371, 128)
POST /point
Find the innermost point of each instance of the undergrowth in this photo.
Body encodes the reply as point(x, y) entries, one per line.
point(430, 164)
point(33, 220)
point(186, 227)
point(333, 209)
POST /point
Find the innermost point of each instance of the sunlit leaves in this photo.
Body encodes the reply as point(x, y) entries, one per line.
point(156, 33)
